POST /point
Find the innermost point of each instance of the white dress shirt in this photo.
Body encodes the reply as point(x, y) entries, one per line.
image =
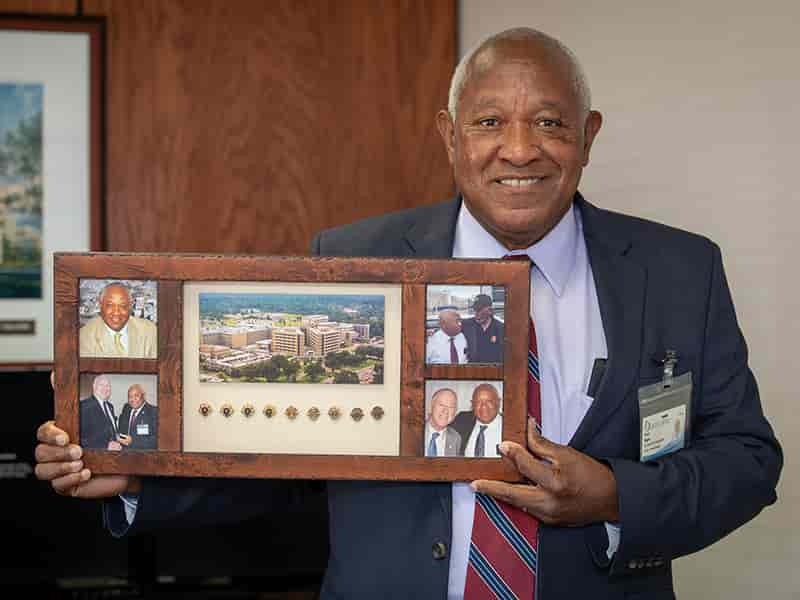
point(492, 435)
point(437, 349)
point(108, 412)
point(440, 442)
point(569, 336)
point(123, 335)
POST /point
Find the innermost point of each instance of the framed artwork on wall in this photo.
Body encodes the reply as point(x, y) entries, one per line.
point(51, 170)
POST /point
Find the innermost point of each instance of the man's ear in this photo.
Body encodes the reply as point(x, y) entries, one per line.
point(447, 130)
point(593, 122)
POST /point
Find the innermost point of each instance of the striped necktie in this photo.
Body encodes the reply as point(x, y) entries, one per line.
point(503, 548)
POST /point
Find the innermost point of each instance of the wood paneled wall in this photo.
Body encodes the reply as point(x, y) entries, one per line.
point(40, 7)
point(249, 126)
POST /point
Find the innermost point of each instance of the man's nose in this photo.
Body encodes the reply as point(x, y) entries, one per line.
point(520, 143)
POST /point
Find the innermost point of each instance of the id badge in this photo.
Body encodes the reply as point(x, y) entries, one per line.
point(664, 412)
point(143, 429)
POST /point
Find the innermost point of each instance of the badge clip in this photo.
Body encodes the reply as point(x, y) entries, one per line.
point(669, 361)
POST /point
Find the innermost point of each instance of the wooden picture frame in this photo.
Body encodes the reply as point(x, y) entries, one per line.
point(70, 176)
point(174, 273)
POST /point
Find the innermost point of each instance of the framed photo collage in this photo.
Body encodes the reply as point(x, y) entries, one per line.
point(291, 367)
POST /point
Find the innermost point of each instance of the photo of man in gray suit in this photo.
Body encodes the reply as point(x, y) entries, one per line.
point(440, 438)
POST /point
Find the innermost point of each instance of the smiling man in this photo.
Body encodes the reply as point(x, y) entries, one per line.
point(440, 438)
point(484, 333)
point(138, 421)
point(618, 303)
point(481, 428)
point(115, 332)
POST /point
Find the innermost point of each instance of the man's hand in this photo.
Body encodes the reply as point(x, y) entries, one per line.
point(59, 462)
point(567, 487)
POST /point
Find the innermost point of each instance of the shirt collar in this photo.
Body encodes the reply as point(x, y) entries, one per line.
point(554, 255)
point(112, 333)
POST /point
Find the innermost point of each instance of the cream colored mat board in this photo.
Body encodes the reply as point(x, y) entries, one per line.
point(280, 434)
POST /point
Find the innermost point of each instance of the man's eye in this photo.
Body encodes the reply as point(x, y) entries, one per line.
point(548, 123)
point(490, 122)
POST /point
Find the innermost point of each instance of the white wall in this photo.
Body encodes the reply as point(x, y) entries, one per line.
point(702, 131)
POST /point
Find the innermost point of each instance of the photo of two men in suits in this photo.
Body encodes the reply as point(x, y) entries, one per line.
point(455, 428)
point(107, 422)
point(454, 338)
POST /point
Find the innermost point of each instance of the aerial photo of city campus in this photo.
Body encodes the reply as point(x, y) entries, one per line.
point(291, 338)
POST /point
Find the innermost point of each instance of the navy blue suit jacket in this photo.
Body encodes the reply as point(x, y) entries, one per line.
point(95, 427)
point(147, 416)
point(658, 288)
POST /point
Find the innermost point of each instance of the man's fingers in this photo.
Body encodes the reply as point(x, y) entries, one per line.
point(53, 471)
point(528, 465)
point(45, 453)
point(521, 495)
point(65, 484)
point(48, 433)
point(100, 487)
point(540, 446)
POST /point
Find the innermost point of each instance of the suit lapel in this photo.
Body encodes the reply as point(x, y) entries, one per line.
point(103, 340)
point(135, 341)
point(432, 237)
point(621, 284)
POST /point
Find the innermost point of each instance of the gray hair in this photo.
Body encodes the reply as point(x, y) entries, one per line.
point(461, 74)
point(437, 394)
point(113, 284)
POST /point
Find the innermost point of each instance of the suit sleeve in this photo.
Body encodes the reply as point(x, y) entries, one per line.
point(683, 502)
point(182, 502)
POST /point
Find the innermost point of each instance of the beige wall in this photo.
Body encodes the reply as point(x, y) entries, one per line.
point(701, 131)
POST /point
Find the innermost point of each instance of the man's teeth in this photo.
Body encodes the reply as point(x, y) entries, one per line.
point(520, 182)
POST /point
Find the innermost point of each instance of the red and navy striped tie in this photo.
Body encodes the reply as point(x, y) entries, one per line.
point(502, 552)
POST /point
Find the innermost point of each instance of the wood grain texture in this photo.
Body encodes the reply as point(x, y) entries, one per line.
point(117, 365)
point(172, 270)
point(250, 126)
point(412, 390)
point(170, 363)
point(65, 349)
point(195, 267)
point(39, 7)
point(292, 466)
point(487, 372)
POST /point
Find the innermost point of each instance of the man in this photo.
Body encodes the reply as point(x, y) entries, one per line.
point(114, 332)
point(482, 427)
point(98, 423)
point(518, 131)
point(138, 421)
point(447, 345)
point(483, 332)
point(440, 438)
